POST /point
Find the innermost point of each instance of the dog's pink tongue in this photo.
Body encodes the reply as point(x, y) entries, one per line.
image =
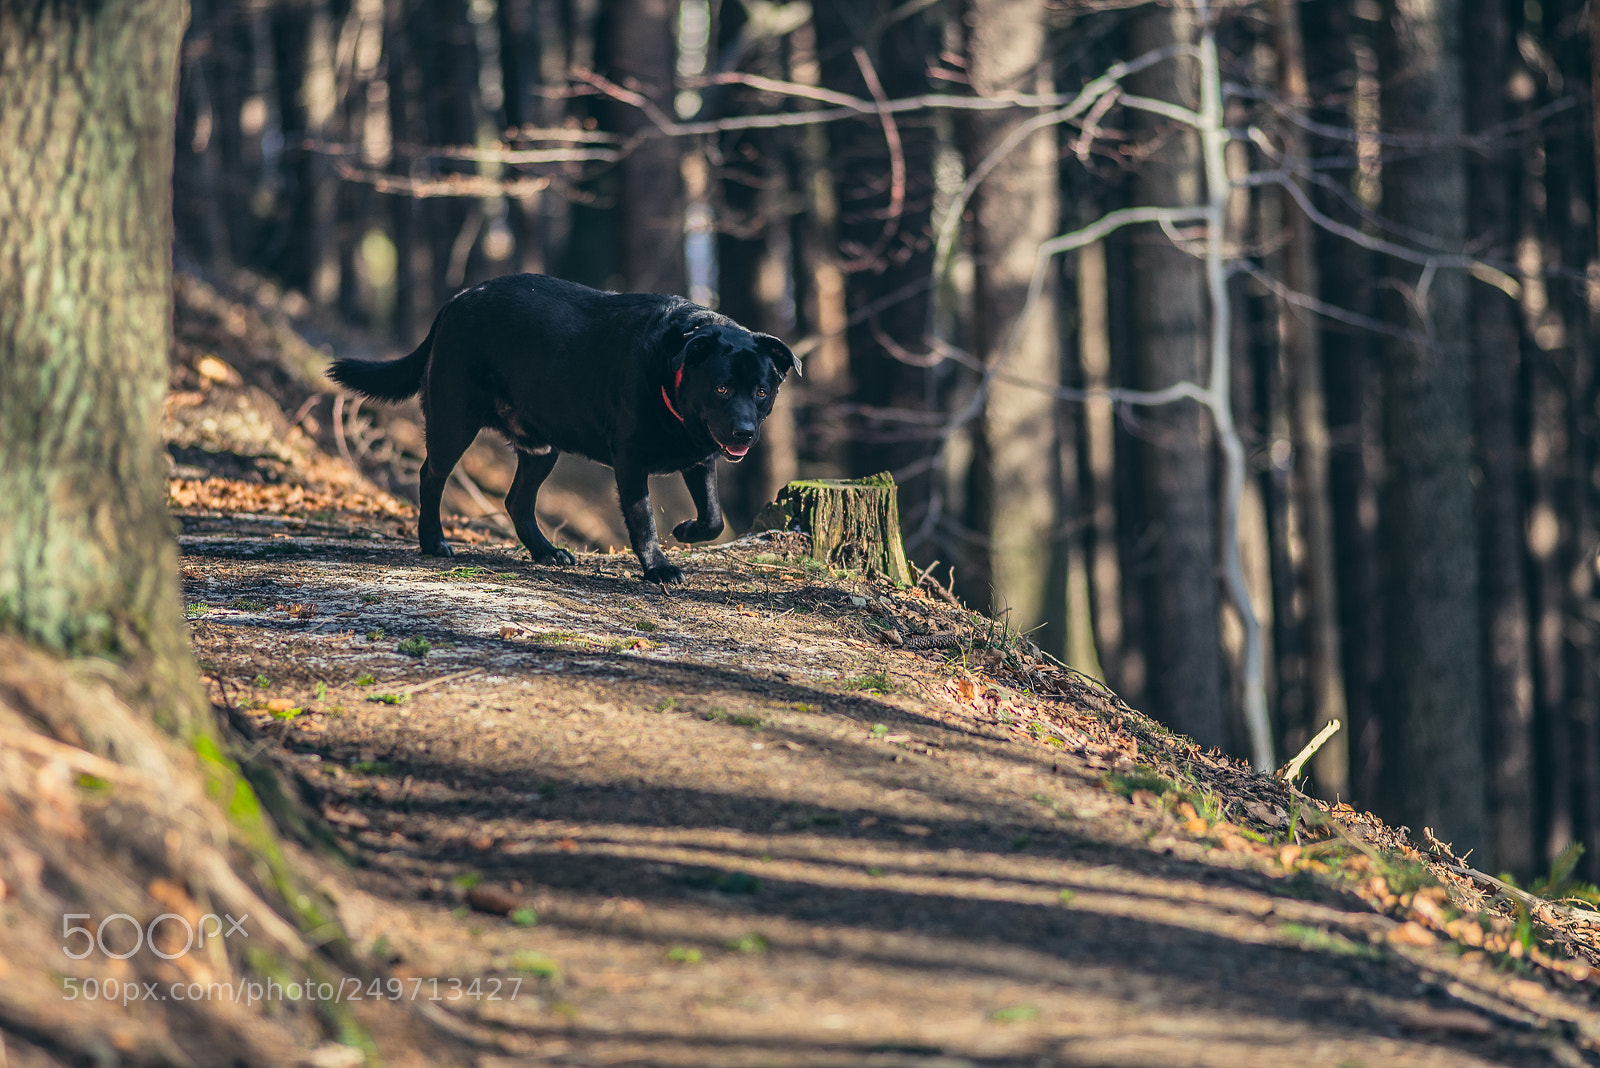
point(737, 450)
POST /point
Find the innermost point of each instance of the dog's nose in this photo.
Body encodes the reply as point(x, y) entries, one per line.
point(742, 436)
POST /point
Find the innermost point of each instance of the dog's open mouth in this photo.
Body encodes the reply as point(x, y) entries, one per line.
point(734, 453)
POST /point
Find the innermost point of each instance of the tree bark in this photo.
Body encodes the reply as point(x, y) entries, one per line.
point(883, 245)
point(88, 567)
point(1301, 353)
point(1507, 648)
point(1180, 589)
point(1435, 694)
point(1015, 465)
point(87, 563)
point(652, 202)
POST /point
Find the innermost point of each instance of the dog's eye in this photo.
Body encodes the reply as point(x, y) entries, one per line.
point(761, 394)
point(722, 391)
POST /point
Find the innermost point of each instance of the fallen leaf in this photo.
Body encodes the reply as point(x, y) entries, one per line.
point(347, 817)
point(1467, 932)
point(1410, 933)
point(1427, 910)
point(280, 704)
point(966, 689)
point(1526, 988)
point(1270, 815)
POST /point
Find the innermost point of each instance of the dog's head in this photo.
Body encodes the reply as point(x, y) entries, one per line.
point(726, 379)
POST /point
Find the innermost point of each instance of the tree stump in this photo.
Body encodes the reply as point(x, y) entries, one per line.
point(854, 523)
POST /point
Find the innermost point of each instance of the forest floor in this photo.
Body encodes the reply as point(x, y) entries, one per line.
point(572, 818)
point(723, 825)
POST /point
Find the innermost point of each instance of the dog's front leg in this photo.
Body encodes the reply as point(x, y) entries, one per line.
point(707, 523)
point(633, 487)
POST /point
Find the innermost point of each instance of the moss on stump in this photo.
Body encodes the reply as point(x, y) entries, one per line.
point(854, 523)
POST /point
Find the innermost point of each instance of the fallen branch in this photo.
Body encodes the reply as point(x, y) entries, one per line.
point(1533, 903)
point(1291, 770)
point(490, 512)
point(418, 687)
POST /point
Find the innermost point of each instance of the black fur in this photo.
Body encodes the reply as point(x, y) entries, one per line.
point(558, 367)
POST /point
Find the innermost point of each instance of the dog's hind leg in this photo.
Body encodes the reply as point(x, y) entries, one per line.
point(447, 437)
point(532, 468)
point(707, 523)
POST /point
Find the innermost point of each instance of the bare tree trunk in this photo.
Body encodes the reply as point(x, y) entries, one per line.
point(821, 278)
point(1015, 477)
point(1570, 197)
point(652, 204)
point(1099, 463)
point(1497, 395)
point(1339, 48)
point(87, 564)
point(883, 217)
point(88, 568)
point(1431, 573)
point(1180, 589)
point(1302, 357)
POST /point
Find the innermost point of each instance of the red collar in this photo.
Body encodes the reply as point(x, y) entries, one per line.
point(677, 380)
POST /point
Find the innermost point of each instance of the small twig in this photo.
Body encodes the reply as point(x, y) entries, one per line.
point(490, 512)
point(305, 410)
point(338, 430)
point(897, 164)
point(1291, 770)
point(418, 687)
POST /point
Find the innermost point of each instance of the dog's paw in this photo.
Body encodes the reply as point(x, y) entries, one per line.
point(553, 557)
point(693, 530)
point(666, 574)
point(437, 548)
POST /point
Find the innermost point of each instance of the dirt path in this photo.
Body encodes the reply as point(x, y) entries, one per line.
point(722, 825)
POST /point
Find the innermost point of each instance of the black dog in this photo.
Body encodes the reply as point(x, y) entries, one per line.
point(643, 382)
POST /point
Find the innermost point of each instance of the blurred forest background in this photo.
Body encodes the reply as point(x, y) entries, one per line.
point(1365, 234)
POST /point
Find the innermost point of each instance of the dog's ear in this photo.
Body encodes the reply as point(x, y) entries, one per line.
point(776, 351)
point(697, 344)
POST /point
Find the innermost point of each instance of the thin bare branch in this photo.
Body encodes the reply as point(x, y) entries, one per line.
point(1323, 308)
point(454, 185)
point(472, 153)
point(1486, 138)
point(1077, 105)
point(897, 164)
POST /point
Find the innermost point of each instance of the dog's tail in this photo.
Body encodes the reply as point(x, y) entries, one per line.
point(385, 380)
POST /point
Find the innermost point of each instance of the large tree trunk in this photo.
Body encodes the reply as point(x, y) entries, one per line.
point(1435, 695)
point(1185, 672)
point(88, 568)
point(883, 238)
point(651, 196)
point(1301, 342)
point(1015, 465)
point(87, 563)
point(1508, 666)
